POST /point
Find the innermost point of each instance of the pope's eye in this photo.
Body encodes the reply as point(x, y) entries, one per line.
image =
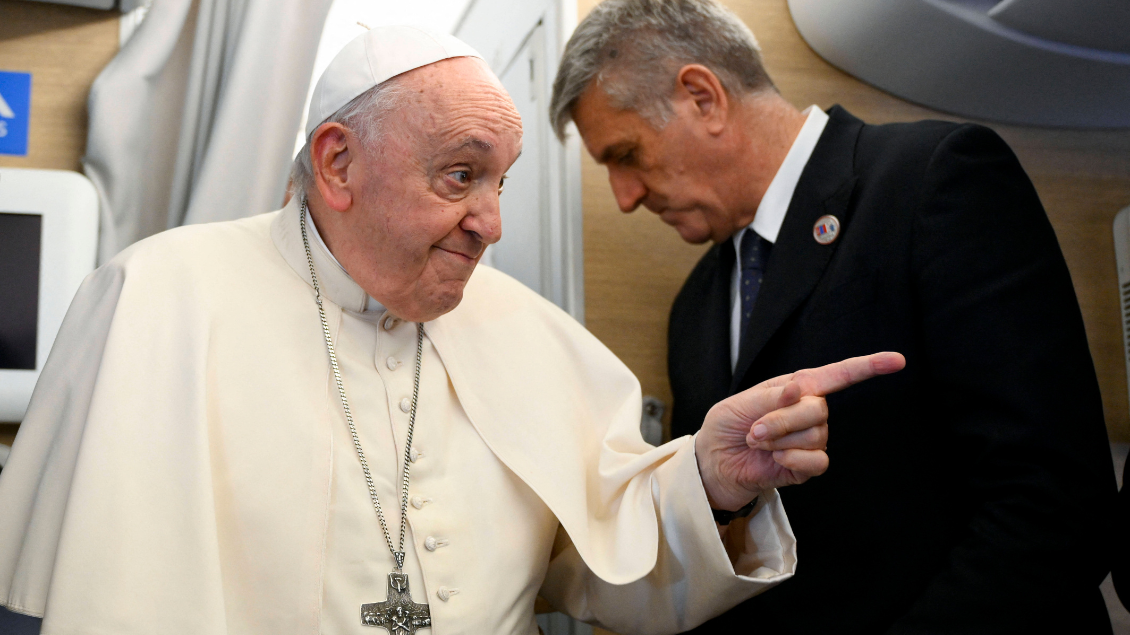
point(461, 176)
point(502, 183)
point(628, 158)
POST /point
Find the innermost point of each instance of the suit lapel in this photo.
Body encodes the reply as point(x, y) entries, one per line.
point(698, 340)
point(715, 327)
point(797, 261)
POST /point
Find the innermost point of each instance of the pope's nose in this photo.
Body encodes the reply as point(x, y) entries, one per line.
point(484, 220)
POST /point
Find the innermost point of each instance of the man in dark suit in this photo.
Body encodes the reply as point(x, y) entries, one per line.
point(971, 493)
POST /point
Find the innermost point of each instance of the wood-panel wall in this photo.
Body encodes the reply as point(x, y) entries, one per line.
point(64, 48)
point(634, 265)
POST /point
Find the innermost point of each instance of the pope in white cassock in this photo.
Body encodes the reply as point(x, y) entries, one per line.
point(318, 421)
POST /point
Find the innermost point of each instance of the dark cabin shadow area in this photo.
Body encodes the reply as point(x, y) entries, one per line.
point(16, 624)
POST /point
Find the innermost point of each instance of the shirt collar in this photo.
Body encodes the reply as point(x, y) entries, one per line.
point(336, 283)
point(371, 303)
point(771, 212)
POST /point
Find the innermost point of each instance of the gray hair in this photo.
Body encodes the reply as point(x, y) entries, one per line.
point(634, 49)
point(364, 115)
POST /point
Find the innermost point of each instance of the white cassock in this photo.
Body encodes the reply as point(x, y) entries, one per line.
point(185, 467)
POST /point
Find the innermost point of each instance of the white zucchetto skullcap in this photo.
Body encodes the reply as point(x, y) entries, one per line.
point(375, 56)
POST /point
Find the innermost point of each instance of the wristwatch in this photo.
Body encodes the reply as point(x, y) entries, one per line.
point(725, 516)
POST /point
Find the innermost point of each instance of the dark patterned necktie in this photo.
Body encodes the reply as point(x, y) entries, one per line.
point(752, 256)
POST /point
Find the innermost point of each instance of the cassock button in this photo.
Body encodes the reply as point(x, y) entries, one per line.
point(445, 593)
point(405, 405)
point(390, 322)
point(431, 543)
point(414, 454)
point(826, 229)
point(392, 363)
point(419, 501)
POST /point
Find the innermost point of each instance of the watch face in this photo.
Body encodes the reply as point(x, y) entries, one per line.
point(20, 236)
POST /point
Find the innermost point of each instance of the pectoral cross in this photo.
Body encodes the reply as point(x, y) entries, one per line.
point(398, 614)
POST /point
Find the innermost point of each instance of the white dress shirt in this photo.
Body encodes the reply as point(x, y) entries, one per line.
point(771, 212)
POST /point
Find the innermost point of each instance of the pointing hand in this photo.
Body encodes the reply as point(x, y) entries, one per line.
point(776, 433)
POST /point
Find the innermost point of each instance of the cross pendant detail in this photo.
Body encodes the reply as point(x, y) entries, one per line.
point(398, 614)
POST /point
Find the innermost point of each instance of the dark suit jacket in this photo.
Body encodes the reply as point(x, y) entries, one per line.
point(971, 492)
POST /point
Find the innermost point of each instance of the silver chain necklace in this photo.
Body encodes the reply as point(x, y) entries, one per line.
point(398, 614)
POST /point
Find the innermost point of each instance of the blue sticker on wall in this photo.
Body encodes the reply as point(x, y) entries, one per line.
point(15, 110)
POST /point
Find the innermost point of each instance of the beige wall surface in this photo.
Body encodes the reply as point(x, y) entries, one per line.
point(634, 265)
point(64, 48)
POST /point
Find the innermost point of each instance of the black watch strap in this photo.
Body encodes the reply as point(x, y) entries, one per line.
point(725, 517)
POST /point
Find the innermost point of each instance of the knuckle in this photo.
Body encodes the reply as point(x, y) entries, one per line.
point(773, 422)
point(817, 437)
point(822, 433)
point(806, 379)
point(817, 409)
point(822, 408)
point(825, 461)
point(789, 393)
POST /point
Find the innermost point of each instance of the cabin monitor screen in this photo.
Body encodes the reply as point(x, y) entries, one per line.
point(19, 288)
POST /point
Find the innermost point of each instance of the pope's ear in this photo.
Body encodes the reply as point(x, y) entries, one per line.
point(330, 158)
point(701, 89)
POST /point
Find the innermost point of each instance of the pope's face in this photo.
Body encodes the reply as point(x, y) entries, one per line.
point(428, 197)
point(672, 171)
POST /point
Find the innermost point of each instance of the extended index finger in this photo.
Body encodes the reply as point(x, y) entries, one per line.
point(832, 378)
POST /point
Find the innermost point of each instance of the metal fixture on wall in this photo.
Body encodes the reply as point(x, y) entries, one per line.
point(651, 423)
point(1035, 62)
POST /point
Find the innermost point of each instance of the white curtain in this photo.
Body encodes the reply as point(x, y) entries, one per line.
point(194, 120)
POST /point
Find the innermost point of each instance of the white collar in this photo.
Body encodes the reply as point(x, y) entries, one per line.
point(371, 303)
point(771, 212)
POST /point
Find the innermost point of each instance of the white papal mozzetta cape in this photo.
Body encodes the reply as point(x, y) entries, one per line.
point(175, 470)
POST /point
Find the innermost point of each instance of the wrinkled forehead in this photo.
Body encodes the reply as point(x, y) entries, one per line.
point(454, 80)
point(460, 101)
